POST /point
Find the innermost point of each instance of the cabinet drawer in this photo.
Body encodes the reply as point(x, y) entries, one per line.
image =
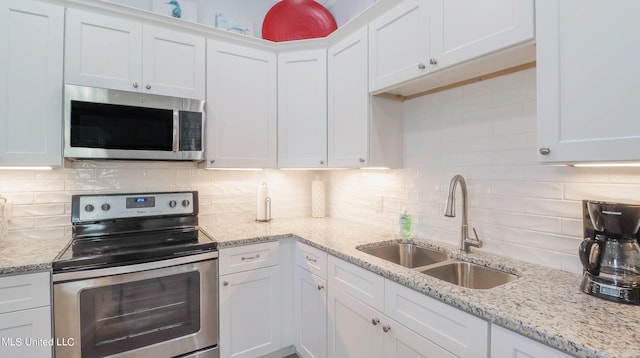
point(456, 331)
point(20, 292)
point(356, 281)
point(311, 259)
point(505, 343)
point(243, 258)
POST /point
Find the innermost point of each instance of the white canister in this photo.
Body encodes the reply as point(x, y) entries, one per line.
point(317, 199)
point(4, 226)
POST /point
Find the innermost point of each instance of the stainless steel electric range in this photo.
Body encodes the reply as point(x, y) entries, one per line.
point(138, 279)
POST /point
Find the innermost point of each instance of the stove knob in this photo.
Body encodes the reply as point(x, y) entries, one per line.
point(185, 203)
point(172, 204)
point(106, 207)
point(88, 208)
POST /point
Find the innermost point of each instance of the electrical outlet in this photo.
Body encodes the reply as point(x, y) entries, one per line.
point(379, 204)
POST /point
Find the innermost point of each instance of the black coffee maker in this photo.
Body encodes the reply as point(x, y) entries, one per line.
point(610, 252)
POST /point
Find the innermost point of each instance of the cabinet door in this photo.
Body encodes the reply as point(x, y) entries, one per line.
point(23, 333)
point(465, 29)
point(348, 102)
point(103, 51)
point(455, 331)
point(399, 45)
point(401, 342)
point(354, 329)
point(241, 106)
point(31, 51)
point(302, 109)
point(587, 78)
point(173, 63)
point(505, 343)
point(250, 313)
point(310, 314)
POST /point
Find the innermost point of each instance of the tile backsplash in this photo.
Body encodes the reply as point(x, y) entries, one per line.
point(485, 131)
point(41, 199)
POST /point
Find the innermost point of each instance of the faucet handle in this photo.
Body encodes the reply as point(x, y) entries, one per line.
point(474, 241)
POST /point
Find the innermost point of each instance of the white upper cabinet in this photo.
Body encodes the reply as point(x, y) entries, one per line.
point(588, 80)
point(302, 109)
point(31, 53)
point(399, 44)
point(418, 37)
point(241, 106)
point(173, 63)
point(111, 52)
point(364, 131)
point(348, 102)
point(465, 29)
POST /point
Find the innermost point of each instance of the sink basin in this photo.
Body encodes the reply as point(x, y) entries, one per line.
point(407, 255)
point(469, 275)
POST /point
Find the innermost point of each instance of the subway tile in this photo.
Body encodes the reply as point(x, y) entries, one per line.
point(38, 210)
point(543, 190)
point(607, 192)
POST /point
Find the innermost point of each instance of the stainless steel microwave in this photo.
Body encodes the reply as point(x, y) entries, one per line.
point(109, 124)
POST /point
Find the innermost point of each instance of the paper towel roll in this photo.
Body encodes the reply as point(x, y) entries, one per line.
point(317, 199)
point(263, 203)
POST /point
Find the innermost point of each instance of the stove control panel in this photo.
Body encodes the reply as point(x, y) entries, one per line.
point(116, 206)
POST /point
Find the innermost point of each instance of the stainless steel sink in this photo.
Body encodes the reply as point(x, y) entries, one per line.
point(469, 275)
point(407, 255)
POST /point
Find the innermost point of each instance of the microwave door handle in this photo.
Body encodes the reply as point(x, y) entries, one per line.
point(176, 130)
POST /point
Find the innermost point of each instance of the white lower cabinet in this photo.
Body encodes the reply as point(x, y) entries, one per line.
point(249, 303)
point(310, 301)
point(310, 314)
point(505, 343)
point(396, 321)
point(25, 315)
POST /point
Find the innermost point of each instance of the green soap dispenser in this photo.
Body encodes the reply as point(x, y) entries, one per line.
point(405, 224)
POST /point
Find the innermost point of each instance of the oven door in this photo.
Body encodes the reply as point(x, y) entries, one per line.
point(157, 309)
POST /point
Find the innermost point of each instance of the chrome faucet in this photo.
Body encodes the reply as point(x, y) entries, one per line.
point(465, 241)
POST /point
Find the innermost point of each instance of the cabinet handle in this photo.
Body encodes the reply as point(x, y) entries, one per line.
point(421, 66)
point(386, 328)
point(251, 257)
point(311, 259)
point(148, 86)
point(225, 283)
point(320, 287)
point(212, 161)
point(375, 321)
point(545, 151)
point(433, 61)
point(361, 160)
point(322, 162)
point(135, 85)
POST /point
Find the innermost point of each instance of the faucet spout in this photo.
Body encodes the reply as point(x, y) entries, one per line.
point(465, 241)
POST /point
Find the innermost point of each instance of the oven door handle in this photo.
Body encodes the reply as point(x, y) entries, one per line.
point(110, 271)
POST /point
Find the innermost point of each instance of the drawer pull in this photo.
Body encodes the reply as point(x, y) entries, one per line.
point(375, 321)
point(251, 257)
point(386, 328)
point(311, 259)
point(320, 287)
point(225, 283)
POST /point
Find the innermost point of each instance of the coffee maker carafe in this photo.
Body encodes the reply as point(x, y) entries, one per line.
point(610, 252)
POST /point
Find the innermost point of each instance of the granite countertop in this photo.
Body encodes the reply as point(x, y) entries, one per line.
point(29, 255)
point(543, 304)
